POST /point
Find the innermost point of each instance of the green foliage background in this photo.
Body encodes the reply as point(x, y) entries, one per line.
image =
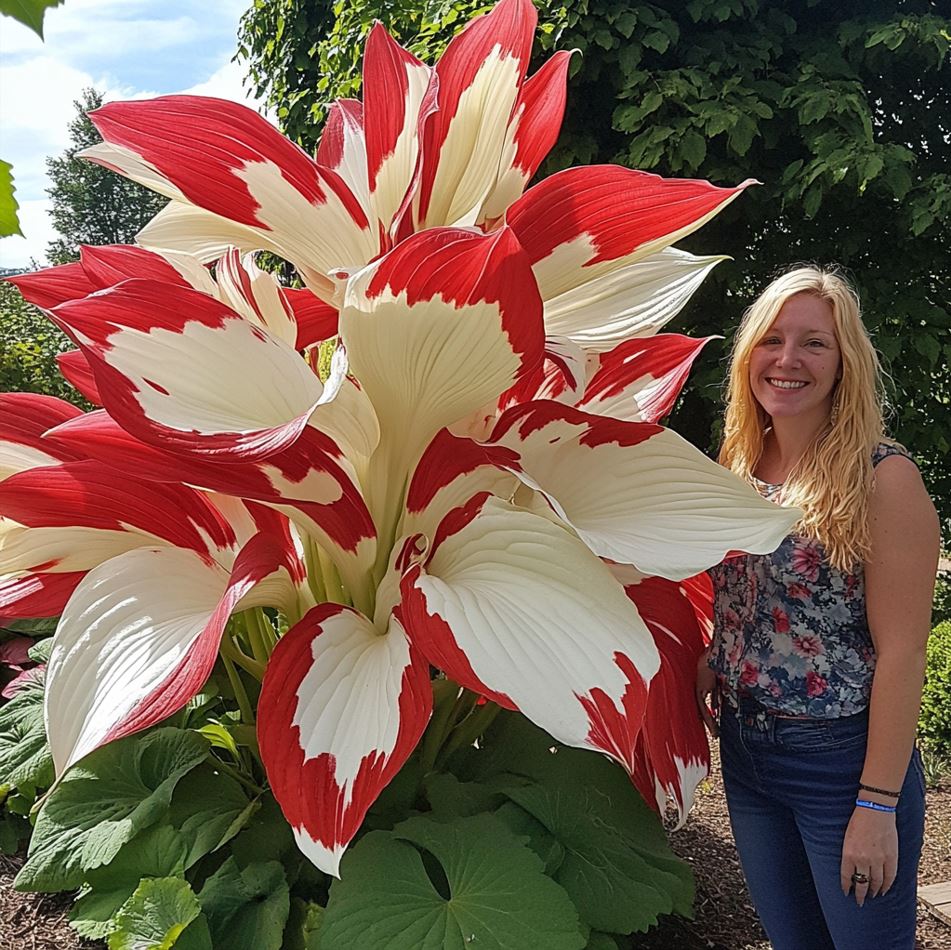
point(935, 724)
point(29, 344)
point(842, 108)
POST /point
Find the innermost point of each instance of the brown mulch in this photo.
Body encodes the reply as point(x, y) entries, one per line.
point(724, 917)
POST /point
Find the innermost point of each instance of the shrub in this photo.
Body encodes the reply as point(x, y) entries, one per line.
point(935, 722)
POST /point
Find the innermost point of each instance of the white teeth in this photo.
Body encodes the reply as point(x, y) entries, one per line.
point(785, 384)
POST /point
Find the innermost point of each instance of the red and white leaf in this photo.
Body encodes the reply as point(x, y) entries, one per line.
point(532, 131)
point(185, 228)
point(309, 481)
point(24, 418)
point(640, 379)
point(418, 321)
point(343, 148)
point(395, 84)
point(316, 320)
point(561, 378)
point(637, 493)
point(78, 373)
point(502, 591)
point(51, 286)
point(225, 158)
point(144, 340)
point(635, 300)
point(673, 741)
point(138, 639)
point(342, 707)
point(479, 77)
point(450, 472)
point(25, 596)
point(256, 295)
point(73, 516)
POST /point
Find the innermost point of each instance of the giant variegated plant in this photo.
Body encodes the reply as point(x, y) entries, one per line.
point(479, 485)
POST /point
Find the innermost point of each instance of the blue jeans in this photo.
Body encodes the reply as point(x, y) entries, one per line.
point(791, 787)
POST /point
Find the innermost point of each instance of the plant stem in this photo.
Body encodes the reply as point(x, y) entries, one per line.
point(445, 695)
point(315, 576)
point(238, 776)
point(470, 729)
point(231, 651)
point(260, 634)
point(331, 577)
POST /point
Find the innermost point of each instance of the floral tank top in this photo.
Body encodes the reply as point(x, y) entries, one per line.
point(790, 629)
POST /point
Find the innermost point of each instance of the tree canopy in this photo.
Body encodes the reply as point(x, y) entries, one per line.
point(841, 108)
point(91, 204)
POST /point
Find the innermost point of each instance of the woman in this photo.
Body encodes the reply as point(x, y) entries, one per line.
point(818, 654)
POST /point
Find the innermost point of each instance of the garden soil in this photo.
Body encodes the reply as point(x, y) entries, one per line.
point(724, 916)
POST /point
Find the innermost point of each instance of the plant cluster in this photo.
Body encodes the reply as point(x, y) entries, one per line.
point(397, 510)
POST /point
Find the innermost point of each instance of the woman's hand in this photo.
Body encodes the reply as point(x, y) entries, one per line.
point(706, 696)
point(871, 849)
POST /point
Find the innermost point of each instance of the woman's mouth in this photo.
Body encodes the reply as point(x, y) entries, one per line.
point(786, 383)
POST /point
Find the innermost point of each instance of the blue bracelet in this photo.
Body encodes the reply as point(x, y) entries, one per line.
point(864, 803)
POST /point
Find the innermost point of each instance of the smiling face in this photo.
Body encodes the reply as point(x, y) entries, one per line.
point(794, 367)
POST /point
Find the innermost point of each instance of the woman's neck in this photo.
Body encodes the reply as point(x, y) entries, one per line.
point(785, 444)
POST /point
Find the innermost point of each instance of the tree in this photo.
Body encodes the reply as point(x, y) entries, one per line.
point(840, 107)
point(92, 205)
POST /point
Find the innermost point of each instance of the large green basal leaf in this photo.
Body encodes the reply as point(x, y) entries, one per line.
point(209, 808)
point(105, 801)
point(247, 907)
point(157, 917)
point(490, 892)
point(158, 852)
point(24, 755)
point(613, 886)
point(518, 747)
point(618, 866)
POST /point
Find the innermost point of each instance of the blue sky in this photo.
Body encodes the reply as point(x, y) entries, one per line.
point(128, 49)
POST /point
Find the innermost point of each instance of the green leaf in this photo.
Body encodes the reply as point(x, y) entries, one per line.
point(593, 790)
point(41, 650)
point(24, 755)
point(104, 802)
point(157, 852)
point(209, 808)
point(450, 797)
point(267, 836)
point(155, 916)
point(471, 883)
point(613, 886)
point(246, 908)
point(599, 941)
point(9, 223)
point(693, 149)
point(28, 12)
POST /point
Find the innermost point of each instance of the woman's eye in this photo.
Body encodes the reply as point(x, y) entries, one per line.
point(769, 341)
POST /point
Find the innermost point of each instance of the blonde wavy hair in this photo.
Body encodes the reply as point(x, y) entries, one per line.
point(832, 482)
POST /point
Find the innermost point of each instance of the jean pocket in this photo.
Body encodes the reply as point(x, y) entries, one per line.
point(822, 735)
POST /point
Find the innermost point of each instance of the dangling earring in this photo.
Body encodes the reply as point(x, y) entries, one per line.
point(834, 414)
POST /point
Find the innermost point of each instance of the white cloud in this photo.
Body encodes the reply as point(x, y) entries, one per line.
point(37, 230)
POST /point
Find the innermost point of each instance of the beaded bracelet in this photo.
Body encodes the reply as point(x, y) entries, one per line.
point(879, 791)
point(864, 803)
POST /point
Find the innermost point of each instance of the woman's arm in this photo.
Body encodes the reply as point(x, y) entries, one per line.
point(899, 587)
